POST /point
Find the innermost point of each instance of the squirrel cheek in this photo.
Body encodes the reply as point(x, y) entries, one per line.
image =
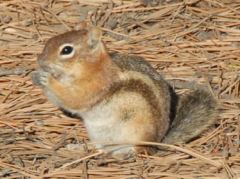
point(66, 80)
point(64, 77)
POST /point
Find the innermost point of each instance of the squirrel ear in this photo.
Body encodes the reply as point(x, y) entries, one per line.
point(94, 37)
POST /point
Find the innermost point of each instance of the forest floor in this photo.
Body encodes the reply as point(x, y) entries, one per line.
point(186, 41)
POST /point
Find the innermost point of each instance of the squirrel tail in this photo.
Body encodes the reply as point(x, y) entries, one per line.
point(195, 112)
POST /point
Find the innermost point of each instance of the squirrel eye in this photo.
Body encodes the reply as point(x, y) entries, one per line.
point(66, 51)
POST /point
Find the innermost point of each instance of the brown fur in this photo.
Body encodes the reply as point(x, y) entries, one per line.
point(118, 93)
point(137, 86)
point(90, 88)
point(91, 73)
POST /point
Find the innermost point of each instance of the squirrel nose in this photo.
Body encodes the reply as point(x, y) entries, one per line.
point(41, 62)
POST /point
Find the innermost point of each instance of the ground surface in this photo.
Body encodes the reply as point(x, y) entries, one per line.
point(186, 41)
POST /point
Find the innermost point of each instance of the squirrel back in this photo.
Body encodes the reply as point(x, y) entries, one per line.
point(190, 113)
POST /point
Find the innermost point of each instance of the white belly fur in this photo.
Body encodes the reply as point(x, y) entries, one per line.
point(103, 122)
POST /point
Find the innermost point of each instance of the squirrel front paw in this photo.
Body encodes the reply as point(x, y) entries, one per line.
point(40, 78)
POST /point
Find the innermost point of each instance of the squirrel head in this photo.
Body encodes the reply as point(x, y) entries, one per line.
point(77, 67)
point(73, 52)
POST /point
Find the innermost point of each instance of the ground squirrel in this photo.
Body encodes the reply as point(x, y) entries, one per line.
point(121, 98)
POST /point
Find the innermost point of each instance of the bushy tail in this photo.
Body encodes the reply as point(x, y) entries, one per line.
point(195, 112)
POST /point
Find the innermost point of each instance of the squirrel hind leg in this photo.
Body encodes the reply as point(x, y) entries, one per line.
point(195, 112)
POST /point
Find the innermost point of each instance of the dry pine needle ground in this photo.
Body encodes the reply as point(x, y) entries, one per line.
point(187, 41)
